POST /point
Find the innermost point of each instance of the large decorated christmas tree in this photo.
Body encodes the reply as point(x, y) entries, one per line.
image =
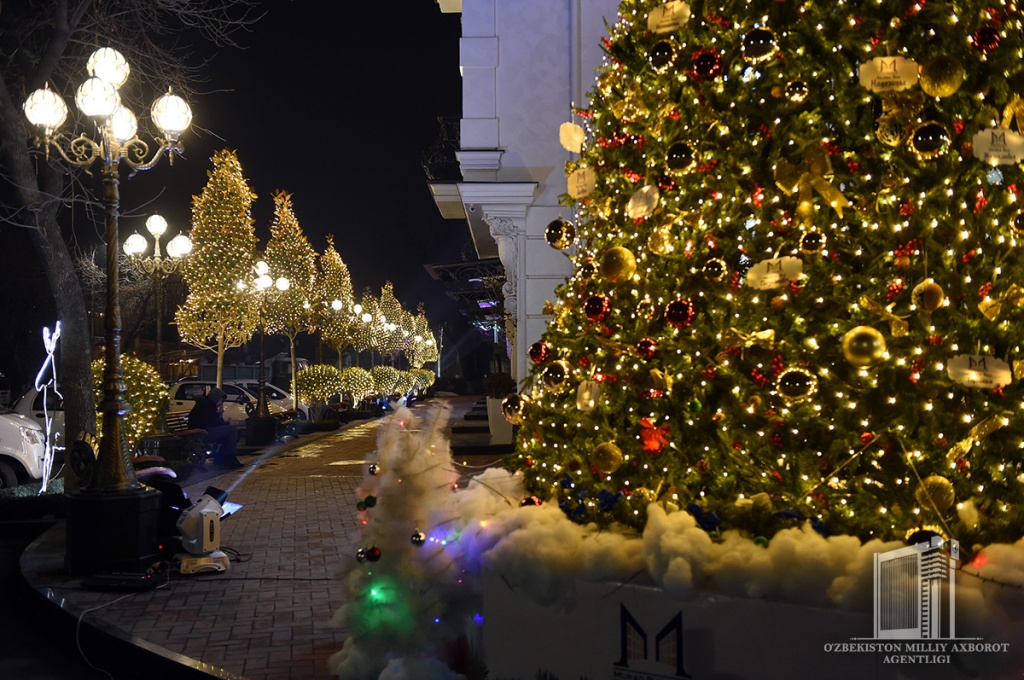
point(798, 283)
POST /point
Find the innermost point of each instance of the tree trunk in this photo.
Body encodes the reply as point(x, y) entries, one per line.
point(221, 348)
point(40, 196)
point(295, 377)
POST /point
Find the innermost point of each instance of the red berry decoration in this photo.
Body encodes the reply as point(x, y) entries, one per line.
point(597, 307)
point(540, 352)
point(680, 313)
point(646, 348)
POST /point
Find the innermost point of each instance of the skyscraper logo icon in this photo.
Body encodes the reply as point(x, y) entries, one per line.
point(910, 600)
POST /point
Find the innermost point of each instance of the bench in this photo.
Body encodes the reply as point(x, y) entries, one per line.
point(180, 441)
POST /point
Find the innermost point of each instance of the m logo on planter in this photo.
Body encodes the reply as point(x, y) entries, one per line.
point(643, 658)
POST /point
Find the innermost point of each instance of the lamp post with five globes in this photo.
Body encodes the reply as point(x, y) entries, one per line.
point(114, 141)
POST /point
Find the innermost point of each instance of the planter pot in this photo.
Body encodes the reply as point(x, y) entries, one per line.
point(501, 429)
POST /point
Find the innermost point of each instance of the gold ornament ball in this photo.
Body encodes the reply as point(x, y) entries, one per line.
point(941, 76)
point(642, 496)
point(1017, 223)
point(661, 241)
point(928, 296)
point(902, 262)
point(890, 130)
point(796, 385)
point(778, 303)
point(556, 375)
point(935, 490)
point(606, 458)
point(560, 234)
point(863, 346)
point(618, 264)
point(512, 408)
point(796, 91)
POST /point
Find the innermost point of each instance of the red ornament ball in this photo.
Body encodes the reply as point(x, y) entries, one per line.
point(373, 553)
point(647, 348)
point(597, 307)
point(530, 500)
point(680, 313)
point(707, 64)
point(987, 38)
point(540, 352)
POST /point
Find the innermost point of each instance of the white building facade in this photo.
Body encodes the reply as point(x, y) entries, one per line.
point(524, 64)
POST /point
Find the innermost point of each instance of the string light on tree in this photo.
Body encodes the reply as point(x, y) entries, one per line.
point(801, 275)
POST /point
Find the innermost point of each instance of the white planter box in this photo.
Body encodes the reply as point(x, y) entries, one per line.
point(501, 429)
point(621, 631)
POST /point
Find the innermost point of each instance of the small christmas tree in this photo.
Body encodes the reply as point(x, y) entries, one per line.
point(334, 300)
point(289, 254)
point(798, 290)
point(217, 314)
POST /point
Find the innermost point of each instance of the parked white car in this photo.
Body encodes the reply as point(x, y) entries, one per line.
point(237, 405)
point(275, 395)
point(21, 450)
point(30, 405)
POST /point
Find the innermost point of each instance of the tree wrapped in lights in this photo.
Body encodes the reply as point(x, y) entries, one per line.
point(364, 335)
point(357, 383)
point(385, 380)
point(317, 384)
point(798, 291)
point(289, 254)
point(421, 347)
point(335, 300)
point(145, 393)
point(217, 314)
point(391, 323)
point(424, 378)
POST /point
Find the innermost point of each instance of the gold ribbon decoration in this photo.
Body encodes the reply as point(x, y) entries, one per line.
point(661, 380)
point(976, 434)
point(897, 324)
point(806, 178)
point(898, 111)
point(1014, 111)
point(736, 338)
point(991, 307)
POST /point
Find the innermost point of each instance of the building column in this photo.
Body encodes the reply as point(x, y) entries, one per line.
point(506, 234)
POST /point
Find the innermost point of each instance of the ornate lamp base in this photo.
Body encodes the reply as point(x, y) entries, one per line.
point(112, 531)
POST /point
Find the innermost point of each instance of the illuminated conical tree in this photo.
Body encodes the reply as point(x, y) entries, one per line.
point(798, 285)
point(422, 347)
point(335, 300)
point(217, 314)
point(391, 323)
point(289, 255)
point(364, 336)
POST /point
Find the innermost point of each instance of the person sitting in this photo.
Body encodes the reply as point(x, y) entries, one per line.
point(208, 414)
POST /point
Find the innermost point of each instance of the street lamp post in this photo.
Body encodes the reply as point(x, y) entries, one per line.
point(116, 142)
point(157, 266)
point(262, 283)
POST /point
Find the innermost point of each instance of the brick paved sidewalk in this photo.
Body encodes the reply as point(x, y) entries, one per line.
point(269, 616)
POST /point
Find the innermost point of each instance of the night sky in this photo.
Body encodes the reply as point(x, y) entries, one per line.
point(338, 107)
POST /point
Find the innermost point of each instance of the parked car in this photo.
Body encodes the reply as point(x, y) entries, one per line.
point(275, 395)
point(239, 400)
point(21, 450)
point(30, 405)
